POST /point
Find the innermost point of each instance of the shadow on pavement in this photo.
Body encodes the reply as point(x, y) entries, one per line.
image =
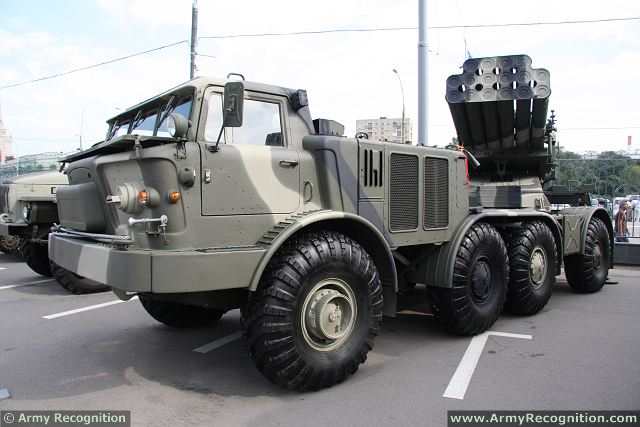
point(50, 287)
point(10, 259)
point(146, 352)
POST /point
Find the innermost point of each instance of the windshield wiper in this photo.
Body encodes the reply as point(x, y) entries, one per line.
point(166, 110)
point(136, 121)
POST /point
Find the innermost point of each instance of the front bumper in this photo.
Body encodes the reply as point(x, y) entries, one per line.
point(13, 228)
point(157, 271)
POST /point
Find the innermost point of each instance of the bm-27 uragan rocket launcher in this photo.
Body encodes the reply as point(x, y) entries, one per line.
point(217, 195)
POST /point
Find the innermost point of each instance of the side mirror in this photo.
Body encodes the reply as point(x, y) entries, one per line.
point(233, 104)
point(177, 125)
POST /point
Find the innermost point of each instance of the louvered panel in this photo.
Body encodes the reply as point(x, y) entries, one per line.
point(403, 192)
point(436, 193)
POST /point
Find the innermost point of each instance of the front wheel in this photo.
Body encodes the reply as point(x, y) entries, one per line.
point(316, 312)
point(479, 287)
point(586, 273)
point(178, 315)
point(9, 244)
point(36, 256)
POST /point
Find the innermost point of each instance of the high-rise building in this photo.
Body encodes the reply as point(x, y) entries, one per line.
point(6, 143)
point(385, 129)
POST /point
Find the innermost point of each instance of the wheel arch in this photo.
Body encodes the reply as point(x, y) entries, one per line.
point(353, 226)
point(440, 266)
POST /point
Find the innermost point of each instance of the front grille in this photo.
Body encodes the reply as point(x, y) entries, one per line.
point(403, 192)
point(436, 193)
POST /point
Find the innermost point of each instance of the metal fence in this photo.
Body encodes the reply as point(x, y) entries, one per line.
point(633, 226)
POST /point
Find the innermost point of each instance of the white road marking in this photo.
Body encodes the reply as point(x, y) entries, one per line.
point(3, 268)
point(90, 307)
point(462, 376)
point(218, 343)
point(18, 285)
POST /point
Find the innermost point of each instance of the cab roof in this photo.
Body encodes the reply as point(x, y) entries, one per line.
point(201, 83)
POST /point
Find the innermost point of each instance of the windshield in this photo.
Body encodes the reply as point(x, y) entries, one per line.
point(151, 120)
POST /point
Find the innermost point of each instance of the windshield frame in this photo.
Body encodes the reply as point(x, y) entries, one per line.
point(161, 106)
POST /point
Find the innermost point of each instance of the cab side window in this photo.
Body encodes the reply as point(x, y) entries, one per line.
point(260, 126)
point(214, 119)
point(261, 123)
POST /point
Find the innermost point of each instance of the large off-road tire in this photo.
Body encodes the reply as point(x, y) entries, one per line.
point(10, 245)
point(316, 312)
point(74, 283)
point(587, 273)
point(532, 267)
point(178, 315)
point(36, 256)
point(480, 278)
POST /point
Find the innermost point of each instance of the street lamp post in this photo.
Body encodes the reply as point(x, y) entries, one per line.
point(402, 140)
point(194, 38)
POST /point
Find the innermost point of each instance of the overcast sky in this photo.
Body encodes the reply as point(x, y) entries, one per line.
point(595, 68)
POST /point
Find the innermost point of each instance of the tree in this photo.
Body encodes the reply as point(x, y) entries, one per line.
point(610, 173)
point(632, 178)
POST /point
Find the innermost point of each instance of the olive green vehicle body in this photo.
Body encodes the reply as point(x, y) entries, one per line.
point(35, 192)
point(407, 205)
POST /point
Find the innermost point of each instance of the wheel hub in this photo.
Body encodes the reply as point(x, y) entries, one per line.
point(328, 314)
point(10, 243)
point(538, 267)
point(481, 280)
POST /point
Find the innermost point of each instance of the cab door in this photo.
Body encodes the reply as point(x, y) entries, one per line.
point(255, 171)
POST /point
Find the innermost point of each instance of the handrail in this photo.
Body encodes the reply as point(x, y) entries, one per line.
point(103, 238)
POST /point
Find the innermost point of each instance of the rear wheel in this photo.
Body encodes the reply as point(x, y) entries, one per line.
point(480, 277)
point(74, 283)
point(178, 315)
point(586, 273)
point(316, 313)
point(532, 262)
point(36, 256)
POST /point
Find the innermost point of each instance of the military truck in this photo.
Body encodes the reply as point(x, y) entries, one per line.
point(28, 206)
point(218, 195)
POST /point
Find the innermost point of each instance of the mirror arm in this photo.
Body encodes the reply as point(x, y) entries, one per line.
point(215, 148)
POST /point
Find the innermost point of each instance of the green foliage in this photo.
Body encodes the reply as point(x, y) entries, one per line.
point(611, 174)
point(632, 177)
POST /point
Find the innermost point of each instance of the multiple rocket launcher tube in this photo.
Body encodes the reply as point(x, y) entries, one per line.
point(500, 103)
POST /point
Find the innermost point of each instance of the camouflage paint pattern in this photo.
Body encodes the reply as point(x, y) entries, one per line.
point(247, 200)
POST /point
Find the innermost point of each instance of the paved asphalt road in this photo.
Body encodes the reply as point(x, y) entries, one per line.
point(584, 352)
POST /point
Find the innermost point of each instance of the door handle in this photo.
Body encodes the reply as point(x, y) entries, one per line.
point(288, 163)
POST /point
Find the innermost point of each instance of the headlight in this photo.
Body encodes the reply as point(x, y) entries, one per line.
point(26, 212)
point(177, 125)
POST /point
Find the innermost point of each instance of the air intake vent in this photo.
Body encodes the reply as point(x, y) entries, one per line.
point(403, 192)
point(436, 193)
point(372, 168)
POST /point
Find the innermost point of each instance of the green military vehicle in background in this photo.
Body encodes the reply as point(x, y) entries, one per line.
point(220, 195)
point(17, 195)
point(28, 206)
